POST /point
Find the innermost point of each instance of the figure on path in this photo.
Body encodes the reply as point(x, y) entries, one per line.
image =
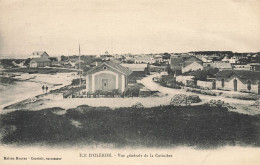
point(43, 88)
point(46, 89)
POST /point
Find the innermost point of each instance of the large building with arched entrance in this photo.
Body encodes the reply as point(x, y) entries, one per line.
point(238, 80)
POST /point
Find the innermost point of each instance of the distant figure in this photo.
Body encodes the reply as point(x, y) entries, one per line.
point(43, 88)
point(46, 89)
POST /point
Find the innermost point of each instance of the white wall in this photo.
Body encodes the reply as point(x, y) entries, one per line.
point(192, 66)
point(184, 79)
point(205, 84)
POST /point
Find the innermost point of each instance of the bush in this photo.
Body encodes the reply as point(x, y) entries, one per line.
point(138, 105)
point(204, 92)
point(194, 99)
point(220, 104)
point(164, 126)
point(182, 99)
point(249, 96)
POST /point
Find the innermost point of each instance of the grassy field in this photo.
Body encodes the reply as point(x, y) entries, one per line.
point(167, 126)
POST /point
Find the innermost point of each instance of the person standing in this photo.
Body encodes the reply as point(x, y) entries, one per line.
point(43, 88)
point(46, 89)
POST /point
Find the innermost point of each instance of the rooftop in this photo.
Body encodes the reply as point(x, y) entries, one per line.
point(244, 74)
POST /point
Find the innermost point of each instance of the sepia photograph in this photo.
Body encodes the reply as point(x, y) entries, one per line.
point(130, 82)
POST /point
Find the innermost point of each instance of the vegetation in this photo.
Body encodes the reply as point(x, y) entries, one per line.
point(9, 63)
point(202, 74)
point(204, 92)
point(8, 80)
point(242, 96)
point(169, 81)
point(133, 91)
point(182, 99)
point(40, 70)
point(165, 126)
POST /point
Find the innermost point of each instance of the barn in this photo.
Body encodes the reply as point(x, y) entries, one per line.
point(106, 77)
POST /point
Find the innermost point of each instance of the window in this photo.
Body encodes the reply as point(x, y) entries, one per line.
point(222, 83)
point(249, 83)
point(105, 68)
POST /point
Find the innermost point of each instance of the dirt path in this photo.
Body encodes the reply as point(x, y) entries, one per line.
point(242, 105)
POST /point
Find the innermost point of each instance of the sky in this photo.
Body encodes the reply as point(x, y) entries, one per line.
point(128, 26)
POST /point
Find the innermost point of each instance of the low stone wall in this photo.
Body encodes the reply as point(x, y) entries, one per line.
point(184, 79)
point(205, 84)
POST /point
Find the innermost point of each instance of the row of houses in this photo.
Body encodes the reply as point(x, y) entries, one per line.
point(228, 78)
point(190, 63)
point(238, 80)
point(109, 76)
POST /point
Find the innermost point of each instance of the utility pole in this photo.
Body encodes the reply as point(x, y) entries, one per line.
point(79, 68)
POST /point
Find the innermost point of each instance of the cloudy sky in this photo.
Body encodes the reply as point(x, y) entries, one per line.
point(128, 26)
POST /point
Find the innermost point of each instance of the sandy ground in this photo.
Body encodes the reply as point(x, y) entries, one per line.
point(165, 98)
point(107, 102)
point(32, 86)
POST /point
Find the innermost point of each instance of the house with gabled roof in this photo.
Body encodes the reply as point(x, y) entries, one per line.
point(192, 63)
point(107, 76)
point(238, 80)
point(186, 63)
point(39, 54)
point(221, 65)
point(39, 59)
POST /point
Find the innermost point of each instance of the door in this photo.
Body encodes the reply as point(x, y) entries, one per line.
point(105, 84)
point(214, 84)
point(235, 85)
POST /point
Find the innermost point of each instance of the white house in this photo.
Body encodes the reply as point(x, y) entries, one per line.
point(106, 77)
point(238, 80)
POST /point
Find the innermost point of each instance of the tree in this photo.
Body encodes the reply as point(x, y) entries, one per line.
point(63, 58)
point(166, 56)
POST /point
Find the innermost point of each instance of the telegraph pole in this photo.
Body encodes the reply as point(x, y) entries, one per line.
point(79, 68)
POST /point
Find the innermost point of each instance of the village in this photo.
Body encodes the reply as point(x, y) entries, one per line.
point(78, 98)
point(179, 79)
point(129, 82)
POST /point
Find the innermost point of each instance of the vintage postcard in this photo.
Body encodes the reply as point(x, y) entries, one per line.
point(130, 82)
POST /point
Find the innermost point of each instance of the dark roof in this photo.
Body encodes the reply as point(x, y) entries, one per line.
point(115, 66)
point(176, 61)
point(224, 73)
point(179, 60)
point(187, 63)
point(192, 58)
point(244, 74)
point(39, 53)
point(41, 59)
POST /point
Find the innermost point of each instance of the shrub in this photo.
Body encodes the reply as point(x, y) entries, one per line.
point(165, 126)
point(204, 92)
point(182, 99)
point(249, 96)
point(194, 99)
point(138, 105)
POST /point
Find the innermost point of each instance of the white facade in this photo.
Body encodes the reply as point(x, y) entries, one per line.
point(191, 67)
